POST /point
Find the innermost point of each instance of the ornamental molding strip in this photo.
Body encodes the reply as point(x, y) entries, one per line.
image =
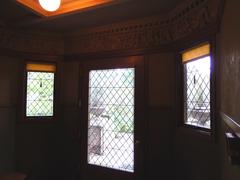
point(31, 42)
point(154, 32)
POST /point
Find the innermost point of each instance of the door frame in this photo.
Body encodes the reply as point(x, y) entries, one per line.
point(91, 172)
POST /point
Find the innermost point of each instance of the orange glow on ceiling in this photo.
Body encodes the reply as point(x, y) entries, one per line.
point(67, 6)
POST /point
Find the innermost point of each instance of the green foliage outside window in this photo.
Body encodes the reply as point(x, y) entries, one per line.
point(113, 91)
point(40, 94)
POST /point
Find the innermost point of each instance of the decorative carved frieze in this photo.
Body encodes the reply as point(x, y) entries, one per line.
point(154, 32)
point(31, 42)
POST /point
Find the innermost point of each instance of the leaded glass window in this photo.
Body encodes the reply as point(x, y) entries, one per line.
point(197, 93)
point(111, 118)
point(40, 91)
point(197, 86)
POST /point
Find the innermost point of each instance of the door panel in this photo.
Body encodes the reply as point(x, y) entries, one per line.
point(113, 119)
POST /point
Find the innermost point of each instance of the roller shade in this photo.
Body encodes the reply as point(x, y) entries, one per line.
point(41, 67)
point(195, 53)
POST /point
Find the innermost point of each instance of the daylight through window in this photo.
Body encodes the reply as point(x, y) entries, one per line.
point(197, 90)
point(111, 118)
point(40, 90)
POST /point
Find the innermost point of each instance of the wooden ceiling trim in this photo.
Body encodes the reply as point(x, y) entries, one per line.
point(67, 6)
point(32, 4)
point(79, 5)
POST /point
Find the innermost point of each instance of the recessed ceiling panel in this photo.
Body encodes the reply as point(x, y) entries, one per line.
point(67, 6)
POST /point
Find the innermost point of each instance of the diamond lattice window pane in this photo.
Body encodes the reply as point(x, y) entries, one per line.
point(111, 118)
point(40, 93)
point(197, 92)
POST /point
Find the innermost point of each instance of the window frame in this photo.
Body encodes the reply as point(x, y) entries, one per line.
point(40, 119)
point(181, 89)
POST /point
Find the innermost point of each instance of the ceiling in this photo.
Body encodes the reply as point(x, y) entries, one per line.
point(66, 6)
point(17, 16)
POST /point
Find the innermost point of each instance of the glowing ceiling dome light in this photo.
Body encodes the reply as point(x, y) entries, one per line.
point(50, 5)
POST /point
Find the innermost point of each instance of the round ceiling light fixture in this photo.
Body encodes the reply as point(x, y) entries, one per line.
point(50, 5)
